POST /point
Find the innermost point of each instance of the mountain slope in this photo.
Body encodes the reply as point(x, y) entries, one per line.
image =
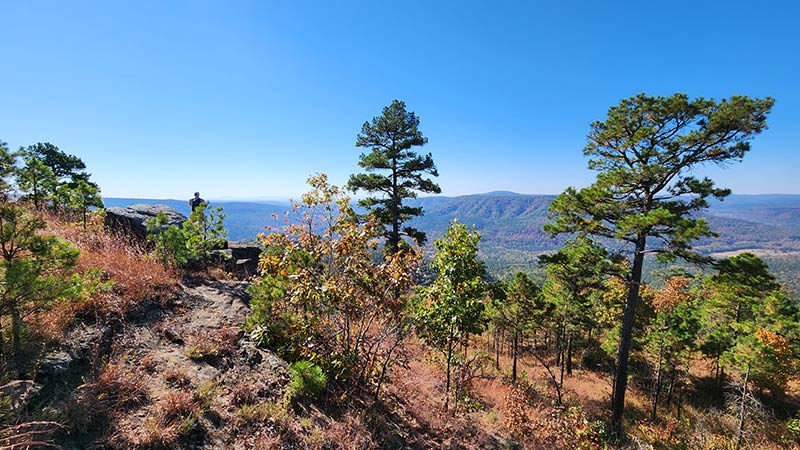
point(511, 224)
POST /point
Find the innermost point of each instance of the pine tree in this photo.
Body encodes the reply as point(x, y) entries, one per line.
point(395, 171)
point(645, 152)
point(32, 267)
point(35, 179)
point(7, 161)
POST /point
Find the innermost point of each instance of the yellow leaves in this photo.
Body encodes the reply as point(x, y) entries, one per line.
point(776, 343)
point(674, 293)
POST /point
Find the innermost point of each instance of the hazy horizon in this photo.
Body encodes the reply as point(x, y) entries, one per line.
point(297, 197)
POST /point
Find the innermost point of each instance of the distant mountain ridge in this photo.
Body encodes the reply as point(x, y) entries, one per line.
point(508, 219)
point(514, 221)
point(511, 225)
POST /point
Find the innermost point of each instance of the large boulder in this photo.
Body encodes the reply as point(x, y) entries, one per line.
point(239, 258)
point(244, 257)
point(131, 219)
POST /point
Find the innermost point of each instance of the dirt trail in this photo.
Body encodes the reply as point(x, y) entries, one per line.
point(197, 347)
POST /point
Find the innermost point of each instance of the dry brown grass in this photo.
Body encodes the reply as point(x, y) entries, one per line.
point(176, 415)
point(177, 378)
point(115, 389)
point(123, 386)
point(176, 406)
point(135, 277)
point(350, 433)
point(29, 435)
point(244, 394)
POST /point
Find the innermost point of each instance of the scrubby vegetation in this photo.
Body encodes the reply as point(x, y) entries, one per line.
point(351, 336)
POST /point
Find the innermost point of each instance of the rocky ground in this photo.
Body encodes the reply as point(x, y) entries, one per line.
point(173, 377)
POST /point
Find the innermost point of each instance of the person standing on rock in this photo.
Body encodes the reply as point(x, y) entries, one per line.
point(196, 201)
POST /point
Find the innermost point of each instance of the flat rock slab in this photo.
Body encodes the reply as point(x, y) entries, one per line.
point(132, 219)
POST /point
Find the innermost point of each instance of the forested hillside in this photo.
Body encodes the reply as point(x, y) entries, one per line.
point(511, 226)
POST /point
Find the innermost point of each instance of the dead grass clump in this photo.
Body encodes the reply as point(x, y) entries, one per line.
point(244, 394)
point(263, 439)
point(350, 432)
point(53, 323)
point(536, 424)
point(124, 387)
point(95, 404)
point(177, 378)
point(29, 435)
point(213, 345)
point(87, 410)
point(251, 415)
point(175, 418)
point(149, 363)
point(218, 273)
point(265, 423)
point(176, 406)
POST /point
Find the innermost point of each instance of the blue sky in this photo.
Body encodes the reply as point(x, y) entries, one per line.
point(247, 99)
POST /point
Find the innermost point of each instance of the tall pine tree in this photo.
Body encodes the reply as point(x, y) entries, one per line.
point(395, 172)
point(644, 153)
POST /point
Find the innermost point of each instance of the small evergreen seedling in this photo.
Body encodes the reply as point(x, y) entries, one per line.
point(308, 380)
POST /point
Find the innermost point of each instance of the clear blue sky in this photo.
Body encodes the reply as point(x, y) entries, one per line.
point(247, 99)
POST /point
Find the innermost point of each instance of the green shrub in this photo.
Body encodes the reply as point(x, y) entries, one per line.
point(308, 380)
point(204, 232)
point(195, 241)
point(793, 425)
point(169, 242)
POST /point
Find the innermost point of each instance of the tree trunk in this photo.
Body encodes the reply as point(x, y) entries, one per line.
point(657, 387)
point(497, 350)
point(621, 372)
point(462, 373)
point(514, 358)
point(558, 347)
point(742, 406)
point(394, 207)
point(561, 370)
point(569, 354)
point(672, 378)
point(447, 369)
point(2, 345)
point(16, 331)
point(552, 375)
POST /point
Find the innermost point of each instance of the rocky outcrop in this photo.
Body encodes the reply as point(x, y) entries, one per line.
point(131, 219)
point(241, 259)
